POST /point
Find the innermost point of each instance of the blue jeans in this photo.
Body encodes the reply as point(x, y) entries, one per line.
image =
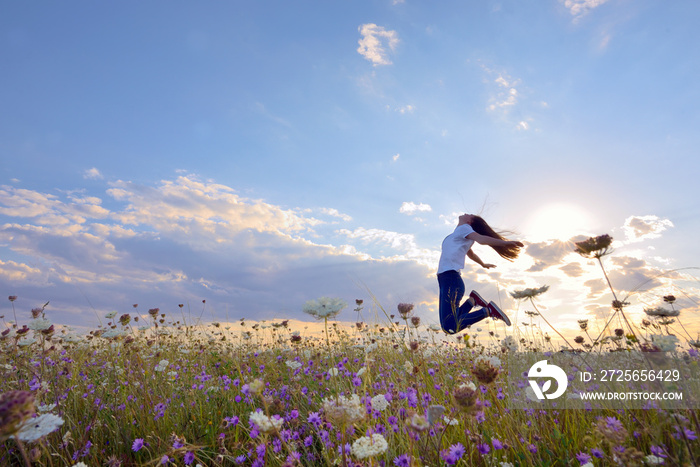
point(453, 317)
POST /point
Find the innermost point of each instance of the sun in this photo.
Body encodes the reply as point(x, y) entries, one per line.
point(557, 221)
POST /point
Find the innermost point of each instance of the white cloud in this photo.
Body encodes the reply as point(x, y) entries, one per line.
point(411, 208)
point(395, 157)
point(638, 228)
point(374, 43)
point(92, 174)
point(580, 8)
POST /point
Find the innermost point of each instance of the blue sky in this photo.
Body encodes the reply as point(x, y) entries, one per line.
point(261, 154)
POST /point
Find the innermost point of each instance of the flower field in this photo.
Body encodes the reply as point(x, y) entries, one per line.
point(149, 389)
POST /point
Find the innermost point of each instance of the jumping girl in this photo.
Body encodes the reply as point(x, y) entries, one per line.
point(456, 246)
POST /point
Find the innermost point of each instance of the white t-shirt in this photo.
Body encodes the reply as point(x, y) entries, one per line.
point(454, 249)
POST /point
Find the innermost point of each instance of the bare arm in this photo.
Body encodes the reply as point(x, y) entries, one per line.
point(486, 240)
point(473, 256)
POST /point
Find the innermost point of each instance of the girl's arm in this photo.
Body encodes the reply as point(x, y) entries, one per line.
point(476, 259)
point(486, 240)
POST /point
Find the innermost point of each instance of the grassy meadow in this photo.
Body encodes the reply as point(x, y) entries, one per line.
point(149, 388)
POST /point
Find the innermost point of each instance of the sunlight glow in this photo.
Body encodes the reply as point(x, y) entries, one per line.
point(558, 221)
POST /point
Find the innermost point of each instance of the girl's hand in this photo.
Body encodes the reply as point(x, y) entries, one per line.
point(520, 244)
point(489, 266)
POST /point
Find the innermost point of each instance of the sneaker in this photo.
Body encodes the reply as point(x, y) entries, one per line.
point(496, 313)
point(478, 299)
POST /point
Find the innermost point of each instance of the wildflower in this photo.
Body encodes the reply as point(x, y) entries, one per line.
point(415, 321)
point(669, 298)
point(137, 444)
point(583, 324)
point(80, 464)
point(653, 460)
point(189, 457)
point(661, 312)
point(39, 324)
point(664, 343)
point(529, 293)
point(497, 444)
point(324, 307)
point(402, 461)
point(341, 409)
point(125, 319)
point(578, 339)
point(15, 407)
point(434, 413)
point(483, 448)
point(256, 387)
point(379, 402)
point(162, 365)
point(293, 364)
point(111, 314)
point(408, 366)
point(485, 372)
point(154, 311)
point(583, 458)
point(12, 298)
point(266, 424)
point(465, 396)
point(368, 446)
point(36, 428)
point(418, 423)
point(510, 343)
point(405, 309)
point(595, 247)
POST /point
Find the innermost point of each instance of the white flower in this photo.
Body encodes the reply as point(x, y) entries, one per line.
point(112, 333)
point(333, 371)
point(36, 428)
point(469, 385)
point(111, 314)
point(661, 311)
point(653, 460)
point(80, 464)
point(266, 424)
point(324, 307)
point(46, 408)
point(380, 403)
point(26, 342)
point(493, 361)
point(293, 364)
point(408, 366)
point(450, 421)
point(529, 293)
point(665, 343)
point(369, 446)
point(344, 409)
point(510, 343)
point(39, 324)
point(435, 328)
point(361, 371)
point(162, 365)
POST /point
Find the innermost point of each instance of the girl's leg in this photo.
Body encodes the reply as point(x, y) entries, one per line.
point(453, 317)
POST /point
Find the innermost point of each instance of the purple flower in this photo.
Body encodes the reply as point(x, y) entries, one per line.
point(138, 444)
point(483, 448)
point(496, 444)
point(583, 458)
point(658, 451)
point(690, 434)
point(189, 458)
point(314, 418)
point(614, 423)
point(457, 450)
point(532, 448)
point(402, 461)
point(164, 460)
point(597, 453)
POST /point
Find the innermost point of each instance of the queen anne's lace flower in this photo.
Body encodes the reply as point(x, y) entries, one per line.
point(529, 293)
point(36, 428)
point(324, 307)
point(368, 446)
point(380, 403)
point(266, 424)
point(39, 324)
point(341, 409)
point(510, 343)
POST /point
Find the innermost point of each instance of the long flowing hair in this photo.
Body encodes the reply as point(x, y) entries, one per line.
point(481, 227)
